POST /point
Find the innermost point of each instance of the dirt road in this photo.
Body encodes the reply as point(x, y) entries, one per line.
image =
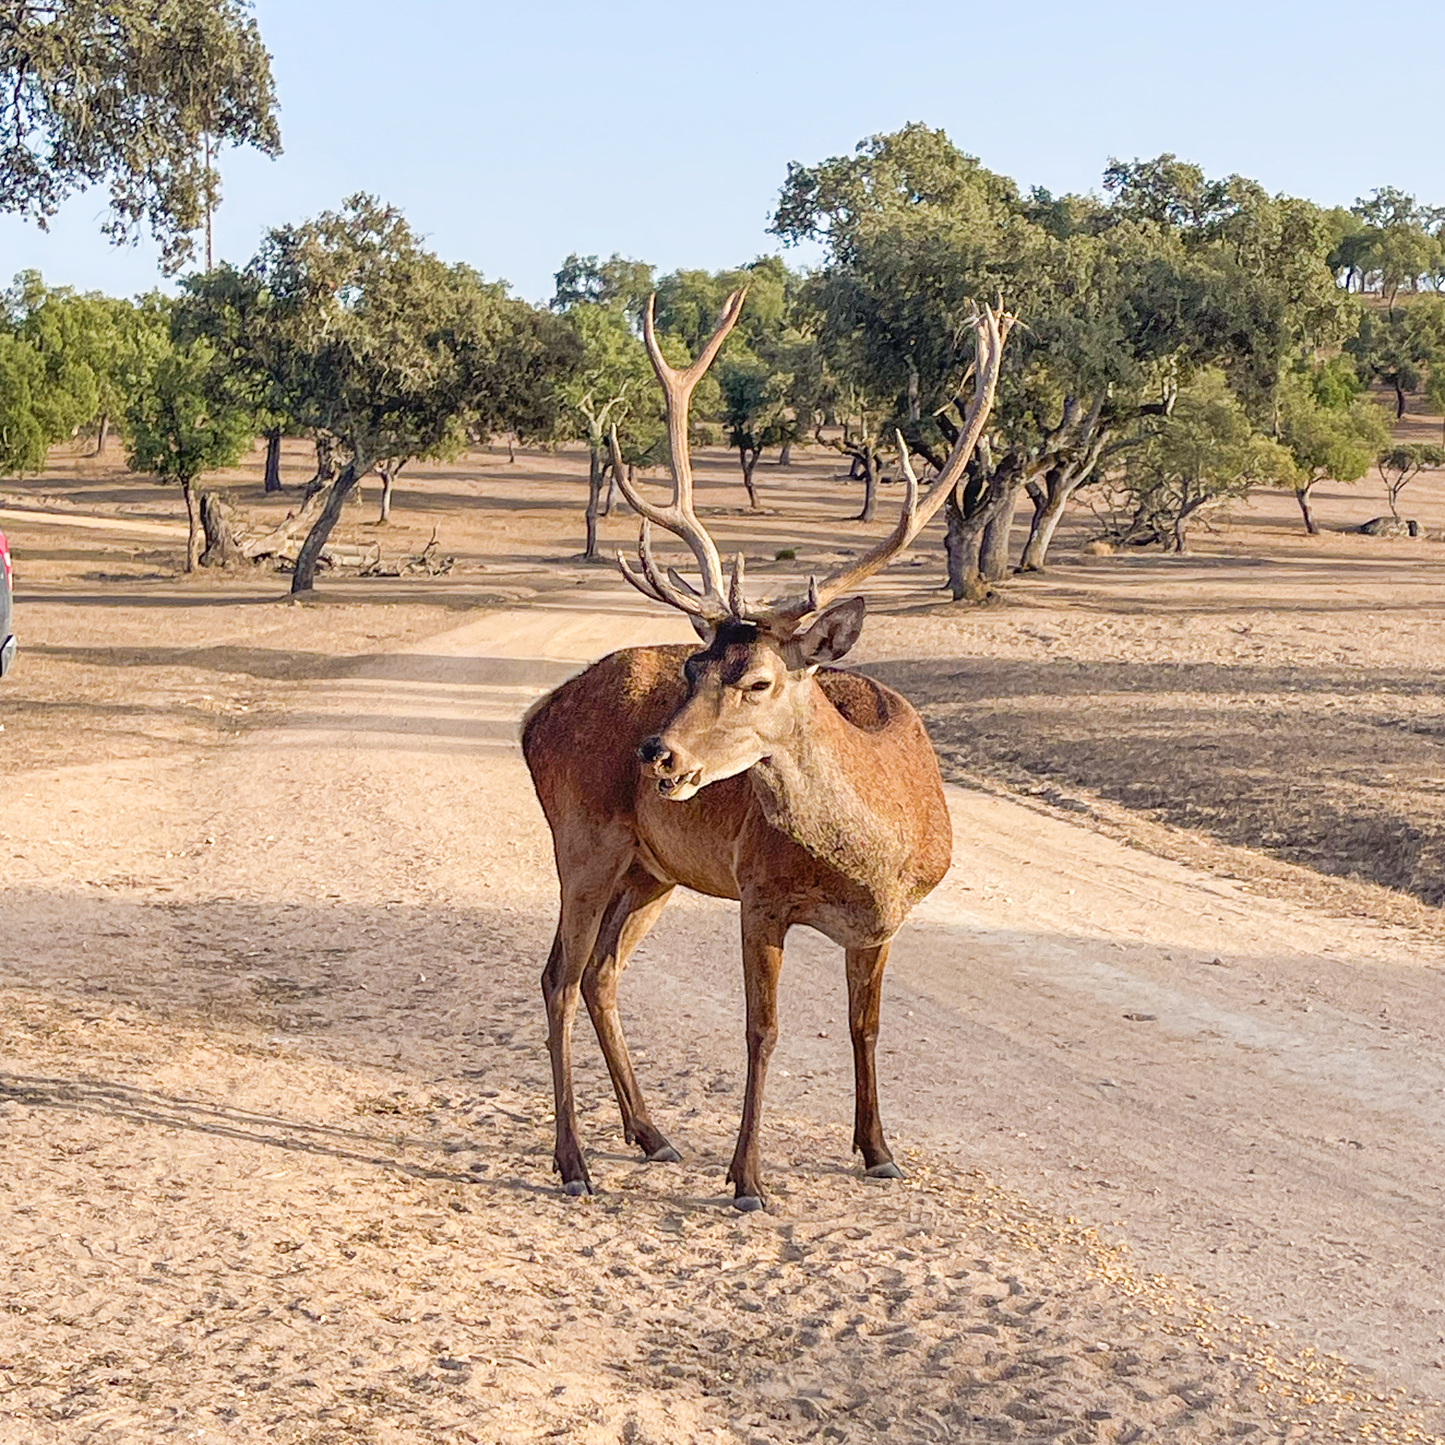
point(275, 1101)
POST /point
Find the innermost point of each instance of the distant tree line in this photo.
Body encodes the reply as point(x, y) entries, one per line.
point(1184, 340)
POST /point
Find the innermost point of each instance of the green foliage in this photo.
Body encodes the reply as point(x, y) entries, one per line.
point(1402, 347)
point(758, 399)
point(1329, 431)
point(95, 350)
point(610, 389)
point(62, 331)
point(178, 428)
point(1167, 191)
point(584, 280)
point(1205, 455)
point(755, 408)
point(23, 439)
point(1435, 391)
point(613, 386)
point(1398, 242)
point(69, 360)
point(838, 200)
point(125, 93)
point(180, 424)
point(1123, 302)
point(1340, 442)
point(523, 383)
point(348, 325)
point(231, 310)
point(1335, 383)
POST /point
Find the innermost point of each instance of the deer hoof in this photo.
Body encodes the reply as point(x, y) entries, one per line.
point(887, 1170)
point(747, 1203)
point(575, 1188)
point(665, 1155)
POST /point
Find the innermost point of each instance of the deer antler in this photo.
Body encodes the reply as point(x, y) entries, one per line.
point(990, 328)
point(714, 603)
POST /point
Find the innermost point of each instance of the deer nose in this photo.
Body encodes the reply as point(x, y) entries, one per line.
point(653, 750)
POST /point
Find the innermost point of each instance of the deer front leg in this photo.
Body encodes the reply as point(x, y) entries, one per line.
point(762, 963)
point(582, 911)
point(633, 912)
point(865, 989)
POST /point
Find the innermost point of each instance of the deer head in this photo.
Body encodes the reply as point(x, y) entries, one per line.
point(750, 688)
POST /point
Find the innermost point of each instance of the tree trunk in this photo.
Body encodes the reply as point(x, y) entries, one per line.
point(1051, 494)
point(511, 446)
point(961, 545)
point(325, 465)
point(870, 486)
point(1302, 496)
point(975, 502)
point(748, 457)
point(609, 496)
point(193, 525)
point(1399, 400)
point(594, 495)
point(785, 455)
point(994, 545)
point(389, 472)
point(103, 434)
point(1049, 506)
point(273, 460)
point(222, 549)
point(304, 579)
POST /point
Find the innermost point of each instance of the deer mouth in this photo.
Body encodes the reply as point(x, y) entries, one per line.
point(681, 786)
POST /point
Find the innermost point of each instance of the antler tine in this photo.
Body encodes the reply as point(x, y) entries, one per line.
point(910, 478)
point(652, 584)
point(641, 583)
point(990, 328)
point(681, 582)
point(737, 602)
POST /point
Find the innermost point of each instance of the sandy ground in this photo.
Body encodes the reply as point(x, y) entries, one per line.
point(275, 1102)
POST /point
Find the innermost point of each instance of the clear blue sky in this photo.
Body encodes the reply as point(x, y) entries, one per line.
point(514, 133)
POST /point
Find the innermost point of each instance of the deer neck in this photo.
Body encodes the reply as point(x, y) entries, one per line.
point(825, 787)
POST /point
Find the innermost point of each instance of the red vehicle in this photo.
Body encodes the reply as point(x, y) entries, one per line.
point(7, 587)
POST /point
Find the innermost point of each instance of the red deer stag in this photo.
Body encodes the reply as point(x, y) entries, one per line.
point(810, 795)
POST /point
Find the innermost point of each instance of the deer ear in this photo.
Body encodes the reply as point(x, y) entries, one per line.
point(832, 635)
point(705, 630)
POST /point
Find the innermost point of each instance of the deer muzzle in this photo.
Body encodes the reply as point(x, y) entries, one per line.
point(678, 773)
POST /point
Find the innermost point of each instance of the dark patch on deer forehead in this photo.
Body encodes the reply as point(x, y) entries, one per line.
point(733, 652)
point(727, 641)
point(733, 634)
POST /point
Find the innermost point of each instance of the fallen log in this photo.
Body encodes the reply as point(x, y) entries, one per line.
point(274, 542)
point(230, 541)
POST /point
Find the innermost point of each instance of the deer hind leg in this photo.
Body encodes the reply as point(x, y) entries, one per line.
point(631, 914)
point(762, 963)
point(584, 904)
point(865, 988)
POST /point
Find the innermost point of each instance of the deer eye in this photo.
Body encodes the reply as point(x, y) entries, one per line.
point(763, 684)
